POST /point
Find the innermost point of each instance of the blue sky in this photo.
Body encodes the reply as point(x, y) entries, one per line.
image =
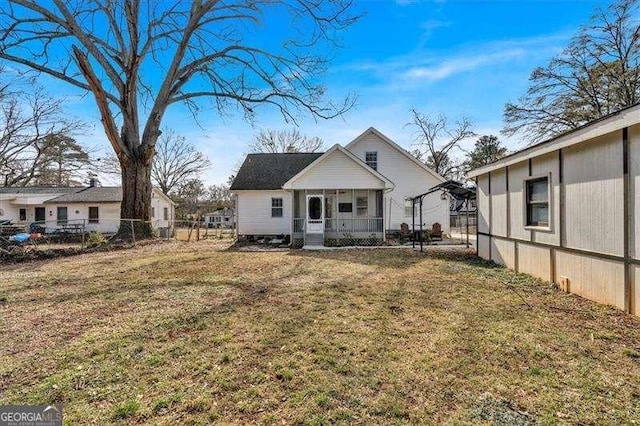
point(452, 57)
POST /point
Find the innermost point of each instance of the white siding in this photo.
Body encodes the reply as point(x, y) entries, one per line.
point(634, 191)
point(409, 179)
point(483, 203)
point(593, 195)
point(483, 246)
point(78, 213)
point(535, 261)
point(498, 218)
point(253, 210)
point(159, 203)
point(517, 175)
point(635, 289)
point(503, 252)
point(337, 170)
point(596, 279)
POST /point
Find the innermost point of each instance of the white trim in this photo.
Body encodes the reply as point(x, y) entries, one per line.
point(397, 147)
point(337, 147)
point(615, 122)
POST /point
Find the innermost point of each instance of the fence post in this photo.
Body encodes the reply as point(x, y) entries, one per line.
point(133, 233)
point(84, 229)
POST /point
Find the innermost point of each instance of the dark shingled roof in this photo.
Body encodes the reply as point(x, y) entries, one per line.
point(271, 171)
point(92, 194)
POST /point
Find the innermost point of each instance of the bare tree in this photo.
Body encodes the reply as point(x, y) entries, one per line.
point(176, 162)
point(29, 126)
point(434, 141)
point(597, 74)
point(284, 141)
point(219, 196)
point(139, 57)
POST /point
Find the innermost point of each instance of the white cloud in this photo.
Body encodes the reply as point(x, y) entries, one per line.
point(455, 65)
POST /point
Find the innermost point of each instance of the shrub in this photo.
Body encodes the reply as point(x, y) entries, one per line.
point(95, 239)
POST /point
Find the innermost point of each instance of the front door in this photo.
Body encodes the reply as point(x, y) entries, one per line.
point(315, 214)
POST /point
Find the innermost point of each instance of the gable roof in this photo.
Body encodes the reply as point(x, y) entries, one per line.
point(338, 147)
point(609, 123)
point(397, 147)
point(270, 171)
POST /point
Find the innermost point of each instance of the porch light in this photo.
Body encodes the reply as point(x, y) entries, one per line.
point(443, 195)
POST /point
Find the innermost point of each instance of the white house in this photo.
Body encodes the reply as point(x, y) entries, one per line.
point(221, 218)
point(568, 210)
point(93, 208)
point(346, 196)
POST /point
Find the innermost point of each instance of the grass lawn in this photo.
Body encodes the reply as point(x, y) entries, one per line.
point(192, 333)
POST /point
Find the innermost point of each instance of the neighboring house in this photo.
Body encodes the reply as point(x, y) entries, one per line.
point(93, 208)
point(221, 218)
point(568, 210)
point(346, 196)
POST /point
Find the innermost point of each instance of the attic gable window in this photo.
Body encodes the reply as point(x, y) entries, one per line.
point(537, 202)
point(371, 158)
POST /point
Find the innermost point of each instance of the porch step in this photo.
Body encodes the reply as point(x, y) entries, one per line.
point(314, 239)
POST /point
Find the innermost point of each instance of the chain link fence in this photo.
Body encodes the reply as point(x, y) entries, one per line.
point(78, 234)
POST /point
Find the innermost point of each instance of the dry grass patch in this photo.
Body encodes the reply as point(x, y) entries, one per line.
point(198, 334)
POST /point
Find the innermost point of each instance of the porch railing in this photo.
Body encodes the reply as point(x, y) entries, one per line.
point(298, 225)
point(368, 225)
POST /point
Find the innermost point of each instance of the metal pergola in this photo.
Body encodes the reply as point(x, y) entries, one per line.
point(456, 189)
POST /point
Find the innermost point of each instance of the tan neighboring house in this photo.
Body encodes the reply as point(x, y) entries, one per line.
point(568, 210)
point(95, 208)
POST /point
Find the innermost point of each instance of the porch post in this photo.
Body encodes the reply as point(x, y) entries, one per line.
point(353, 206)
point(368, 215)
point(293, 216)
point(324, 214)
point(467, 219)
point(421, 235)
point(413, 222)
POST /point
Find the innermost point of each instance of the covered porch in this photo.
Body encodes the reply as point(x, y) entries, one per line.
point(338, 217)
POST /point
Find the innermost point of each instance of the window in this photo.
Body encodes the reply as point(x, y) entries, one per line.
point(23, 215)
point(226, 219)
point(345, 207)
point(94, 215)
point(362, 206)
point(153, 212)
point(537, 199)
point(217, 218)
point(166, 213)
point(408, 208)
point(62, 215)
point(276, 207)
point(371, 158)
point(40, 215)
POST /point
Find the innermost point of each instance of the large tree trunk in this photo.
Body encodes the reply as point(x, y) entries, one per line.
point(136, 197)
